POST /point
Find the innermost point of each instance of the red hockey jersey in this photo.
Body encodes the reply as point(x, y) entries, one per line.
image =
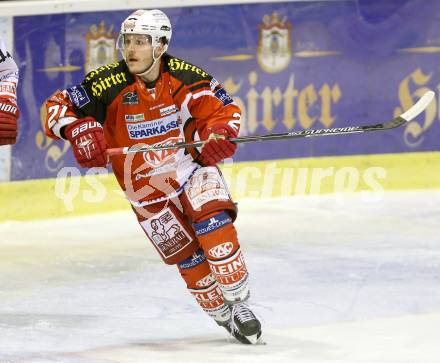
point(183, 104)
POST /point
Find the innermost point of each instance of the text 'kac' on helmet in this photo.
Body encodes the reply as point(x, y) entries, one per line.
point(153, 23)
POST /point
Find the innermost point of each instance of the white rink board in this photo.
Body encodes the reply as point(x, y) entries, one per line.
point(335, 279)
point(35, 7)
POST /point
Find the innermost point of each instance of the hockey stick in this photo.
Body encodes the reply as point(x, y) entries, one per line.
point(404, 118)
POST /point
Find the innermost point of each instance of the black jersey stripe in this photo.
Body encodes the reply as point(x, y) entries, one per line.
point(177, 91)
point(200, 85)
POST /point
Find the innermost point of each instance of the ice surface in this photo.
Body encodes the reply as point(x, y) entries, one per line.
point(334, 279)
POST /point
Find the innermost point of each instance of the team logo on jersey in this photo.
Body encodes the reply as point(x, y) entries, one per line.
point(130, 98)
point(147, 129)
point(274, 50)
point(167, 233)
point(101, 47)
point(156, 158)
point(78, 96)
point(135, 118)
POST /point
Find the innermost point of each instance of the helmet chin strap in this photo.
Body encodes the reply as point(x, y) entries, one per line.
point(148, 70)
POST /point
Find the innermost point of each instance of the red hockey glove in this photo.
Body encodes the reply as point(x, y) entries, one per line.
point(87, 138)
point(9, 114)
point(217, 148)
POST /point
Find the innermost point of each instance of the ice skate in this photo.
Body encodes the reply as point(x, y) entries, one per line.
point(243, 326)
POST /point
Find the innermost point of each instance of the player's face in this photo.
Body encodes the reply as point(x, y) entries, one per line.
point(138, 52)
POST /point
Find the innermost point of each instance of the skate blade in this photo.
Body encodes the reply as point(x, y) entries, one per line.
point(255, 340)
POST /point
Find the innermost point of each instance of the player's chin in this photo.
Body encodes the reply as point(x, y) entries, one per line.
point(134, 67)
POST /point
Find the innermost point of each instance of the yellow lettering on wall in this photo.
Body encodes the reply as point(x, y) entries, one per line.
point(307, 98)
point(232, 88)
point(263, 102)
point(328, 96)
point(268, 121)
point(252, 100)
point(289, 96)
point(413, 133)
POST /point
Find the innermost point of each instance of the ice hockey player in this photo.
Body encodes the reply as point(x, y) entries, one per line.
point(179, 196)
point(9, 111)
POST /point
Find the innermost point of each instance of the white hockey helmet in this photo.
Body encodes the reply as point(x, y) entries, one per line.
point(153, 23)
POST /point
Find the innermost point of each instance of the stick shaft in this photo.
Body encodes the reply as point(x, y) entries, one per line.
point(404, 118)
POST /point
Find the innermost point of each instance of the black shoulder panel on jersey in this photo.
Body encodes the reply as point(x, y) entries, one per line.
point(106, 82)
point(185, 72)
point(99, 89)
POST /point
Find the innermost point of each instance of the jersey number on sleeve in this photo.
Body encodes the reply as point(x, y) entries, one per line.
point(53, 112)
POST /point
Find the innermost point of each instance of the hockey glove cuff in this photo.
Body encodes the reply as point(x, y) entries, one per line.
point(9, 114)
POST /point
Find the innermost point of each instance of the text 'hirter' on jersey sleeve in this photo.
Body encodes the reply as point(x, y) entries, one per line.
point(8, 73)
point(89, 98)
point(201, 97)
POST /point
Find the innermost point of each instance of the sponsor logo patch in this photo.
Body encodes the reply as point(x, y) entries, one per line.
point(221, 250)
point(130, 98)
point(223, 96)
point(167, 110)
point(167, 233)
point(135, 118)
point(176, 64)
point(78, 96)
point(101, 69)
point(157, 106)
point(230, 271)
point(204, 187)
point(206, 281)
point(8, 89)
point(212, 224)
point(103, 83)
point(148, 129)
point(209, 298)
point(195, 259)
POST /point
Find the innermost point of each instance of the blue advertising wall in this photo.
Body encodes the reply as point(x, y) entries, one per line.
point(290, 66)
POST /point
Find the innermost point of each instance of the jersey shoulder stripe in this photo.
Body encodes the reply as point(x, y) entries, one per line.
point(185, 72)
point(199, 85)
